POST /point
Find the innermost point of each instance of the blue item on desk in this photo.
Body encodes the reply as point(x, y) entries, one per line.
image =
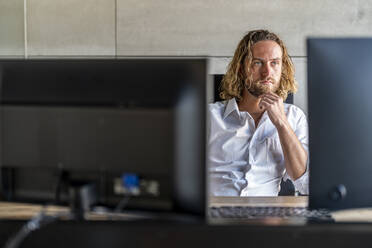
point(130, 180)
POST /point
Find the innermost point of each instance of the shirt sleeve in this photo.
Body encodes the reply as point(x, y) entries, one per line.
point(301, 184)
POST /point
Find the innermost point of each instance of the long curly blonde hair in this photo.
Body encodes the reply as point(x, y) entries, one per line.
point(233, 82)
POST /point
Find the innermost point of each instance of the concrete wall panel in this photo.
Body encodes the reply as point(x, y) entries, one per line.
point(11, 28)
point(71, 28)
point(210, 27)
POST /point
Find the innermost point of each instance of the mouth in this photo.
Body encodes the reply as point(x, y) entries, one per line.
point(266, 82)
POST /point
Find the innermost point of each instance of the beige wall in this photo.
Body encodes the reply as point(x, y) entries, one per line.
point(11, 28)
point(110, 28)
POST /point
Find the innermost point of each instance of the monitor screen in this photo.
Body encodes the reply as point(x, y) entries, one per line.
point(340, 117)
point(133, 127)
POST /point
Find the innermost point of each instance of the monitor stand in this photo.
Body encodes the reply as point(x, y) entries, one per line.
point(82, 196)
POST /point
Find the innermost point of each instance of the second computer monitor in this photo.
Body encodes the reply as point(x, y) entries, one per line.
point(138, 120)
point(340, 121)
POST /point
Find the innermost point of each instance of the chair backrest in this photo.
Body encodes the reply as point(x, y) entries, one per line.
point(287, 188)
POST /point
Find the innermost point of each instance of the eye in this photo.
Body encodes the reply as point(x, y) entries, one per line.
point(257, 63)
point(275, 63)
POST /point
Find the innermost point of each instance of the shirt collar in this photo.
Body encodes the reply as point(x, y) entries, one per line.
point(231, 106)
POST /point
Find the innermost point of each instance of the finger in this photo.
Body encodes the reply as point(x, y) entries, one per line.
point(261, 105)
point(264, 105)
point(270, 96)
point(268, 100)
point(278, 97)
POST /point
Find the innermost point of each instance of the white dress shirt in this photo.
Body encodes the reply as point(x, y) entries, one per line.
point(247, 161)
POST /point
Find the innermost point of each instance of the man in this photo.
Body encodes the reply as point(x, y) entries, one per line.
point(255, 139)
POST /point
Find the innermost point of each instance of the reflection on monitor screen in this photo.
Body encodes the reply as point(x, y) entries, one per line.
point(130, 127)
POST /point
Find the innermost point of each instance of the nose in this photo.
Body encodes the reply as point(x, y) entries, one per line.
point(266, 70)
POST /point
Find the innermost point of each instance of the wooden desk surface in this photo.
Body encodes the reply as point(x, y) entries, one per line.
point(23, 211)
point(280, 201)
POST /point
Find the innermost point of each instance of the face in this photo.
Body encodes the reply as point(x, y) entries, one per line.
point(263, 75)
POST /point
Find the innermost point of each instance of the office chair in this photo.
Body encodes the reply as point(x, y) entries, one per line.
point(287, 188)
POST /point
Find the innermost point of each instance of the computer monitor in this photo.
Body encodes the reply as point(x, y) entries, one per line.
point(132, 127)
point(340, 118)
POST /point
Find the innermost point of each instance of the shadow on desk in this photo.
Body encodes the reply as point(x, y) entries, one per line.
point(162, 234)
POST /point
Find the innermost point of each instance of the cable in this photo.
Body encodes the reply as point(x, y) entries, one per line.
point(122, 204)
point(38, 221)
point(63, 178)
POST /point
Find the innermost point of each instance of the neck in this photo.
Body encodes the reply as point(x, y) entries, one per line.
point(249, 103)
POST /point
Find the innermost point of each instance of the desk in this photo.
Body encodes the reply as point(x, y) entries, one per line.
point(280, 201)
point(146, 233)
point(190, 235)
point(18, 211)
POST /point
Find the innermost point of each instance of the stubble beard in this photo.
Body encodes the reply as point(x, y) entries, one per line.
point(257, 88)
